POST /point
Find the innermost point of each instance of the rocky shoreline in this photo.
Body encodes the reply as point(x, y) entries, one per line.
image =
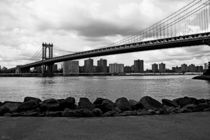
point(34, 107)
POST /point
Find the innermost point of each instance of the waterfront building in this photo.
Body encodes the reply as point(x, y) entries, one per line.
point(88, 67)
point(205, 66)
point(116, 68)
point(127, 69)
point(70, 67)
point(154, 67)
point(102, 66)
point(162, 67)
point(184, 68)
point(138, 66)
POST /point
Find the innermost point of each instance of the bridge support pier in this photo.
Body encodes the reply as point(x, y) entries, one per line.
point(47, 53)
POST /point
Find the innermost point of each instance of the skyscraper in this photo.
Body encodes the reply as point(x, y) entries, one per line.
point(154, 67)
point(88, 67)
point(162, 67)
point(138, 66)
point(116, 68)
point(102, 66)
point(70, 67)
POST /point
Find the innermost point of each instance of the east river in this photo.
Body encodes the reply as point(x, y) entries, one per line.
point(111, 87)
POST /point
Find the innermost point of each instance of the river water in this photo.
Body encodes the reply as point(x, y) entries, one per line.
point(112, 87)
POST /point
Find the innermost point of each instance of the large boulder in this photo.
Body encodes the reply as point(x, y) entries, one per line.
point(135, 105)
point(169, 103)
point(28, 105)
point(107, 105)
point(185, 101)
point(50, 105)
point(84, 103)
point(98, 102)
point(97, 112)
point(12, 106)
point(67, 103)
point(150, 103)
point(26, 99)
point(123, 104)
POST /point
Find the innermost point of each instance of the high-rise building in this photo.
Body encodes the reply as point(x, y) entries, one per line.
point(102, 66)
point(116, 68)
point(88, 67)
point(184, 68)
point(70, 67)
point(205, 66)
point(138, 66)
point(154, 67)
point(162, 67)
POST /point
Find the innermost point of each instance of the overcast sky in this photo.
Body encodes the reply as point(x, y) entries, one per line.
point(78, 25)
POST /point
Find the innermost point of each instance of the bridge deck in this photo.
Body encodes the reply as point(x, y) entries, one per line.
point(173, 42)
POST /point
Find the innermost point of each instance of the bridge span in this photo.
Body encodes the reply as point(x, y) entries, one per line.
point(173, 42)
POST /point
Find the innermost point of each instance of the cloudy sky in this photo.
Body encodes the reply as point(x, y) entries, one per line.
point(78, 25)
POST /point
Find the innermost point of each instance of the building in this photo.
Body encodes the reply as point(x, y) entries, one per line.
point(184, 68)
point(162, 67)
point(102, 66)
point(138, 66)
point(116, 68)
point(70, 67)
point(154, 67)
point(127, 69)
point(88, 67)
point(205, 66)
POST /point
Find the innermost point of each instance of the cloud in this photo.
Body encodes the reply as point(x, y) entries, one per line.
point(78, 25)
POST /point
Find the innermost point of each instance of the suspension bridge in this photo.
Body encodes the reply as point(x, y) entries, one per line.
point(187, 27)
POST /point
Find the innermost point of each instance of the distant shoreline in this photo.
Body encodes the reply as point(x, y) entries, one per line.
point(96, 74)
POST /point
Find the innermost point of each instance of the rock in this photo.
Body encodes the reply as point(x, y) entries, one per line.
point(189, 108)
point(110, 114)
point(53, 114)
point(25, 114)
point(169, 103)
point(128, 113)
point(84, 103)
point(12, 106)
point(4, 110)
point(133, 104)
point(185, 101)
point(50, 105)
point(67, 103)
point(26, 99)
point(123, 104)
point(98, 102)
point(170, 109)
point(77, 113)
point(107, 105)
point(150, 103)
point(97, 112)
point(28, 105)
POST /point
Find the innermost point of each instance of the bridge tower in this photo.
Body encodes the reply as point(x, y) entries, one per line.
point(47, 53)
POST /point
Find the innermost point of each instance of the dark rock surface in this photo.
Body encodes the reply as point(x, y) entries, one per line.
point(185, 101)
point(84, 103)
point(150, 103)
point(123, 104)
point(101, 107)
point(169, 103)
